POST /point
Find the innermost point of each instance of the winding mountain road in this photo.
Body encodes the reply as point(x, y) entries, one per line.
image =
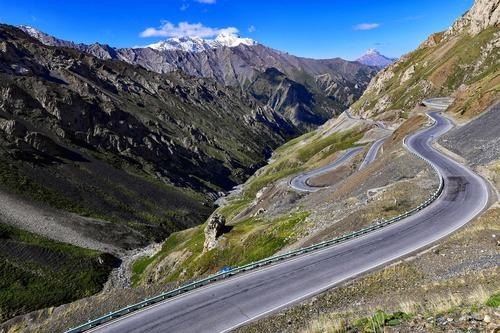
point(230, 303)
point(371, 155)
point(300, 182)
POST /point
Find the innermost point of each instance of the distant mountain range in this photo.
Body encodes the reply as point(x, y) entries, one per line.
point(373, 58)
point(186, 44)
point(314, 90)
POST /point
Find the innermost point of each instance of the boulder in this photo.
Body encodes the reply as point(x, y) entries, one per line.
point(213, 230)
point(408, 74)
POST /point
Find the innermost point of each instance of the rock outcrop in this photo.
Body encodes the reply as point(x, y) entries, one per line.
point(482, 15)
point(213, 230)
point(12, 128)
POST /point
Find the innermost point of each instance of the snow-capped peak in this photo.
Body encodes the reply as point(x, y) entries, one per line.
point(197, 44)
point(372, 52)
point(32, 31)
point(45, 38)
point(372, 57)
point(231, 40)
point(188, 44)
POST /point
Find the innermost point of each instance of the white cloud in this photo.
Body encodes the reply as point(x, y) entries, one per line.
point(183, 29)
point(251, 28)
point(208, 2)
point(366, 26)
point(184, 6)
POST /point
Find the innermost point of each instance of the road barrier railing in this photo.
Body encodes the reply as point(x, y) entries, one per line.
point(264, 262)
point(440, 103)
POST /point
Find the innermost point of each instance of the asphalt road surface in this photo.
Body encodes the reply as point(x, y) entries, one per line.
point(372, 152)
point(230, 303)
point(300, 182)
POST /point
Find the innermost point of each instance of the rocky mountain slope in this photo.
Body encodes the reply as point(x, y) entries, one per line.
point(112, 136)
point(266, 217)
point(291, 99)
point(108, 155)
point(461, 61)
point(373, 58)
point(332, 84)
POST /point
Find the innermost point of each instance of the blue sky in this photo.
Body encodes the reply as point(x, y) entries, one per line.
point(317, 29)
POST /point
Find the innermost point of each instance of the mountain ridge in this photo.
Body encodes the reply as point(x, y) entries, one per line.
point(460, 62)
point(197, 44)
point(240, 65)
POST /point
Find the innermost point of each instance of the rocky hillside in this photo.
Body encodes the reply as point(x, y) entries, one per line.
point(110, 156)
point(266, 217)
point(289, 98)
point(332, 84)
point(115, 141)
point(462, 62)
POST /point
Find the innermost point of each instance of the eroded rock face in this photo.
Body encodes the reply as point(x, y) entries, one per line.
point(12, 127)
point(408, 74)
point(164, 124)
point(213, 230)
point(304, 91)
point(42, 143)
point(483, 14)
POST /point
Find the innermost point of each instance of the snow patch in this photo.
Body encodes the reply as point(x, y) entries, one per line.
point(197, 44)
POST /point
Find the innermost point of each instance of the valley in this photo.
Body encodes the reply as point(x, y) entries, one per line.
point(309, 274)
point(358, 201)
point(105, 155)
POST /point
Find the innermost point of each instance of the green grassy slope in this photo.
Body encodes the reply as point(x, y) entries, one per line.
point(36, 272)
point(248, 238)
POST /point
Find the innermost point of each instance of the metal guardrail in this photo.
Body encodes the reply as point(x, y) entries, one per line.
point(440, 103)
point(264, 262)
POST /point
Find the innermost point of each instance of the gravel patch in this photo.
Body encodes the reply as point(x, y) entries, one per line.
point(67, 227)
point(121, 277)
point(478, 141)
